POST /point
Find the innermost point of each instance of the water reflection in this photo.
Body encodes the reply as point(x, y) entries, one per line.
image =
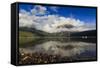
point(62, 50)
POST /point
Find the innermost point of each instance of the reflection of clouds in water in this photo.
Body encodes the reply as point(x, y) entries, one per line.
point(67, 49)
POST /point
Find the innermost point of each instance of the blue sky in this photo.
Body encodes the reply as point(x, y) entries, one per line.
point(49, 18)
point(85, 14)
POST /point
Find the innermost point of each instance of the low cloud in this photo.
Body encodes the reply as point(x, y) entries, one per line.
point(51, 23)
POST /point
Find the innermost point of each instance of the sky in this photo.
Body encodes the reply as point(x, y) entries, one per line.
point(57, 18)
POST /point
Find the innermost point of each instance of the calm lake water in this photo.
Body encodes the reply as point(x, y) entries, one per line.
point(51, 50)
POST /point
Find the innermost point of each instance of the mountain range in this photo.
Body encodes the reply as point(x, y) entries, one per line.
point(40, 33)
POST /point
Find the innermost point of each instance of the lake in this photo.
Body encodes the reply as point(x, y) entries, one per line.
point(54, 50)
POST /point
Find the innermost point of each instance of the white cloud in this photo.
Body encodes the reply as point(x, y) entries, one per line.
point(39, 10)
point(51, 23)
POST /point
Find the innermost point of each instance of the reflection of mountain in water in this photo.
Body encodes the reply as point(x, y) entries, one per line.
point(64, 46)
point(63, 49)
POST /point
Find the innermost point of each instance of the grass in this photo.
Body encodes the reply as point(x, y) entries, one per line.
point(25, 37)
